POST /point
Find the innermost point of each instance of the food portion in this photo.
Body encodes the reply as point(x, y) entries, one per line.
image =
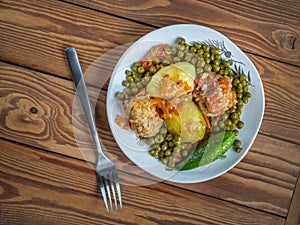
point(214, 94)
point(172, 81)
point(185, 103)
point(144, 119)
point(187, 123)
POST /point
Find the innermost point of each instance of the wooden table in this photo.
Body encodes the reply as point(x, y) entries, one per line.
point(44, 178)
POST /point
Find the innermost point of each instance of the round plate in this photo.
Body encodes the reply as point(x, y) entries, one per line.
point(252, 113)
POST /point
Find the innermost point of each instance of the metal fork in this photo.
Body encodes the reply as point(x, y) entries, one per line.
point(106, 171)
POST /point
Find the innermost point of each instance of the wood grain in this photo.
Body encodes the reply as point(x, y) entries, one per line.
point(35, 34)
point(281, 85)
point(42, 188)
point(58, 126)
point(294, 212)
point(267, 28)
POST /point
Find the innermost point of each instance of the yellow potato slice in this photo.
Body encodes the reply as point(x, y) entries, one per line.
point(190, 124)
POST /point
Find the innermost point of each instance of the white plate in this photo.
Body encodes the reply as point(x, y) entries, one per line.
point(252, 113)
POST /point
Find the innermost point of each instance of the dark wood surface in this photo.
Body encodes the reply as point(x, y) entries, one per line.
point(43, 175)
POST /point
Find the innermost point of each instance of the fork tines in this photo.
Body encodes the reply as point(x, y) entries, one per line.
point(108, 183)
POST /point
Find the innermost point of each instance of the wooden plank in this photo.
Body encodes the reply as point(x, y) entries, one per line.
point(38, 187)
point(294, 212)
point(35, 34)
point(266, 167)
point(282, 106)
point(268, 28)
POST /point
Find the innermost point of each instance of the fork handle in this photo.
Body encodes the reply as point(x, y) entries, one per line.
point(78, 78)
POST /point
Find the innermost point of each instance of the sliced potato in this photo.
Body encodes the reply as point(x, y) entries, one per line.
point(190, 124)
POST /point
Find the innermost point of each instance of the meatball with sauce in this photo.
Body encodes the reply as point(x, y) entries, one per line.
point(144, 119)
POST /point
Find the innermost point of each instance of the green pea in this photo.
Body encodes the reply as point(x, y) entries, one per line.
point(154, 153)
point(180, 54)
point(180, 47)
point(245, 99)
point(237, 143)
point(155, 60)
point(164, 161)
point(197, 45)
point(137, 64)
point(216, 62)
point(239, 90)
point(166, 62)
point(215, 51)
point(153, 69)
point(128, 72)
point(240, 102)
point(238, 111)
point(187, 58)
point(235, 82)
point(168, 153)
point(128, 91)
point(141, 69)
point(176, 59)
point(163, 130)
point(134, 90)
point(231, 110)
point(168, 50)
point(139, 85)
point(239, 95)
point(199, 70)
point(181, 41)
point(240, 124)
point(120, 95)
point(171, 144)
point(206, 54)
point(248, 95)
point(200, 52)
point(240, 86)
point(216, 68)
point(221, 124)
point(236, 132)
point(233, 126)
point(150, 141)
point(164, 147)
point(238, 149)
point(207, 68)
point(218, 57)
point(243, 77)
point(225, 116)
point(169, 137)
point(234, 116)
point(244, 82)
point(222, 72)
point(206, 48)
point(200, 63)
point(184, 152)
point(226, 63)
point(125, 83)
point(159, 139)
point(194, 61)
point(193, 49)
point(214, 123)
point(144, 81)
